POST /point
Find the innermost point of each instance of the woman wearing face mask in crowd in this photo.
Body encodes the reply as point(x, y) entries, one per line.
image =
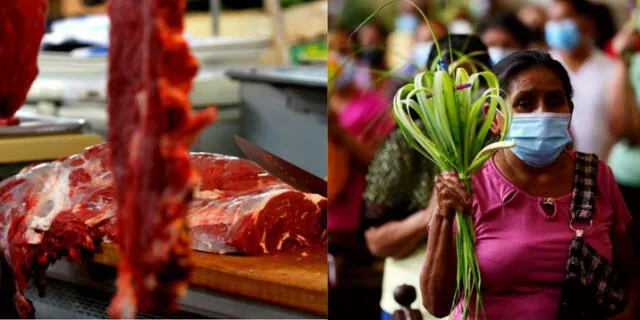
point(371, 58)
point(523, 204)
point(624, 117)
point(504, 35)
point(399, 201)
point(408, 36)
point(422, 45)
point(408, 18)
point(483, 9)
point(570, 32)
point(424, 40)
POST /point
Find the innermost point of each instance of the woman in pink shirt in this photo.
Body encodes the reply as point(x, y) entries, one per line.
point(521, 205)
point(359, 120)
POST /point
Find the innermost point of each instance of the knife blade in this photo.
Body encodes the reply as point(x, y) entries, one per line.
point(282, 169)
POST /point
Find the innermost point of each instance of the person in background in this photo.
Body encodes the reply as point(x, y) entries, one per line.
point(399, 203)
point(483, 9)
point(624, 117)
point(535, 18)
point(371, 57)
point(504, 35)
point(408, 18)
point(520, 206)
point(471, 11)
point(462, 44)
point(359, 121)
point(401, 41)
point(342, 49)
point(422, 45)
point(462, 22)
point(570, 32)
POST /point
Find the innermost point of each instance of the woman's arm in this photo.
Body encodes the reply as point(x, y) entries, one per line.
point(623, 114)
point(438, 276)
point(624, 234)
point(398, 239)
point(628, 263)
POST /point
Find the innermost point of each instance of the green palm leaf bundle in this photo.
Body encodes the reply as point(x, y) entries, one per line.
point(455, 135)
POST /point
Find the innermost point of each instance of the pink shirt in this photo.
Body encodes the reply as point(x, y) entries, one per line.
point(522, 251)
point(366, 117)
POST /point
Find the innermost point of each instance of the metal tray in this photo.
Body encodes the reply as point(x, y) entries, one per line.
point(35, 124)
point(314, 76)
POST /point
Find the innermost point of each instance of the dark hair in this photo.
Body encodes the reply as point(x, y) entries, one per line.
point(512, 65)
point(374, 55)
point(509, 23)
point(582, 7)
point(462, 43)
point(606, 28)
point(378, 26)
point(341, 28)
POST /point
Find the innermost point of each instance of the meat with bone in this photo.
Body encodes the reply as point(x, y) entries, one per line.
point(22, 25)
point(67, 208)
point(151, 127)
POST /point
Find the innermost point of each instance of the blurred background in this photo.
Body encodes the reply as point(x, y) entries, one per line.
point(262, 64)
point(375, 246)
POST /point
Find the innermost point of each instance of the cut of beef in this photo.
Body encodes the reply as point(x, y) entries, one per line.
point(67, 208)
point(151, 127)
point(240, 208)
point(22, 25)
point(50, 211)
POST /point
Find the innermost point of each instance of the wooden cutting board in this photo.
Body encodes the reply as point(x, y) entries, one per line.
point(295, 279)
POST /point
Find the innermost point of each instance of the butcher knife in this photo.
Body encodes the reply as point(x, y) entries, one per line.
point(282, 169)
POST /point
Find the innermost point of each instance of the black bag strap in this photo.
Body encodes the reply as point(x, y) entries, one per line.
point(584, 188)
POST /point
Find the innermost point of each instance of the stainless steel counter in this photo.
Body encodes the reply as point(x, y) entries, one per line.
point(284, 110)
point(81, 292)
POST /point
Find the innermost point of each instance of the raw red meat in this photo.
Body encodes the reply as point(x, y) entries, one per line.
point(22, 25)
point(238, 207)
point(67, 208)
point(151, 127)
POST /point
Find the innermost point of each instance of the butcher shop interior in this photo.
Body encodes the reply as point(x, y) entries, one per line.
point(163, 159)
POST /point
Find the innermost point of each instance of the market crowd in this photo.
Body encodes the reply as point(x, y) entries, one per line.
point(568, 59)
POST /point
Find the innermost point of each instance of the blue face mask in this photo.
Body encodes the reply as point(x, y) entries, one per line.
point(407, 23)
point(421, 51)
point(347, 72)
point(539, 137)
point(563, 34)
point(479, 8)
point(496, 54)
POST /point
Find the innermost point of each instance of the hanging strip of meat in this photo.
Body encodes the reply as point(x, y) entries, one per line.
point(151, 127)
point(22, 25)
